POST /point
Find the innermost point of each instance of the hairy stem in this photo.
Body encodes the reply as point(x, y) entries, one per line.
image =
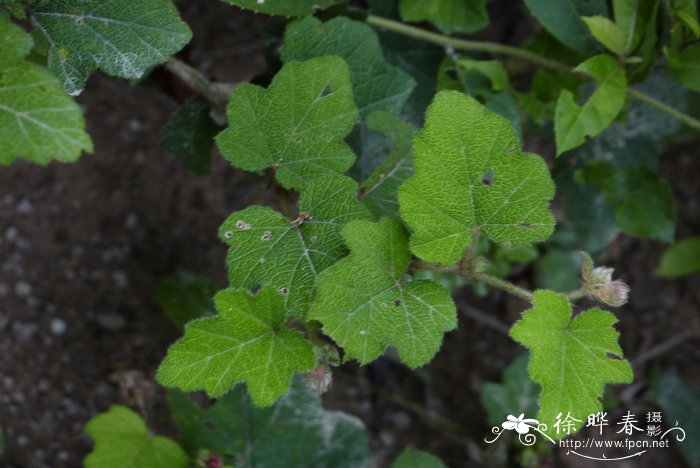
point(212, 92)
point(507, 286)
point(526, 55)
point(576, 294)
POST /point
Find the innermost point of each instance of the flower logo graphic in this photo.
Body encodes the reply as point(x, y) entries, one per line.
point(522, 426)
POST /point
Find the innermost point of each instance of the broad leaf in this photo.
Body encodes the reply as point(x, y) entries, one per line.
point(284, 7)
point(471, 174)
point(685, 66)
point(185, 296)
point(681, 259)
point(572, 123)
point(38, 121)
point(448, 15)
point(607, 33)
point(377, 85)
point(123, 38)
point(266, 249)
point(563, 20)
point(247, 342)
point(122, 440)
point(297, 126)
point(380, 190)
point(365, 304)
point(295, 431)
point(572, 358)
point(643, 203)
point(517, 394)
point(413, 458)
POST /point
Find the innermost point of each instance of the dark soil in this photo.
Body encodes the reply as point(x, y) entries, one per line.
point(82, 244)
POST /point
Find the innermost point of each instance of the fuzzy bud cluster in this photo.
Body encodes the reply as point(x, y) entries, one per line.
point(598, 284)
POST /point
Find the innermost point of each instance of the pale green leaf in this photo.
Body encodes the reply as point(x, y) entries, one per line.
point(449, 16)
point(295, 432)
point(293, 8)
point(365, 304)
point(562, 18)
point(122, 440)
point(123, 38)
point(492, 69)
point(377, 85)
point(517, 394)
point(38, 121)
point(185, 296)
point(685, 66)
point(607, 33)
point(297, 126)
point(380, 190)
point(572, 123)
point(681, 259)
point(266, 249)
point(413, 458)
point(247, 342)
point(471, 174)
point(572, 358)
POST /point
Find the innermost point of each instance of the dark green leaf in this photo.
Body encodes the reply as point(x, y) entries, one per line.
point(517, 394)
point(413, 458)
point(449, 16)
point(680, 403)
point(681, 259)
point(185, 296)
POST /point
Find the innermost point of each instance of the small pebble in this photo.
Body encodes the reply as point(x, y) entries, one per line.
point(10, 234)
point(58, 327)
point(131, 221)
point(25, 206)
point(111, 321)
point(23, 289)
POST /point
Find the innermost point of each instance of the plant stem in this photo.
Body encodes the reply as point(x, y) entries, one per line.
point(576, 294)
point(503, 284)
point(501, 49)
point(198, 82)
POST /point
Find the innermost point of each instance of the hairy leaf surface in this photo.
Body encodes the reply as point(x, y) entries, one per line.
point(247, 342)
point(365, 304)
point(293, 8)
point(449, 16)
point(570, 357)
point(297, 126)
point(266, 249)
point(123, 38)
point(471, 174)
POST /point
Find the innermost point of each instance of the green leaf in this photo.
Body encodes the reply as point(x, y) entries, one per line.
point(293, 8)
point(413, 458)
point(185, 296)
point(558, 270)
point(247, 342)
point(123, 38)
point(297, 126)
point(295, 431)
point(365, 304)
point(377, 85)
point(563, 20)
point(492, 69)
point(471, 174)
point(681, 259)
point(190, 134)
point(38, 122)
point(122, 440)
point(266, 249)
point(570, 357)
point(517, 394)
point(680, 403)
point(607, 33)
point(572, 123)
point(686, 11)
point(380, 190)
point(685, 66)
point(449, 16)
point(643, 203)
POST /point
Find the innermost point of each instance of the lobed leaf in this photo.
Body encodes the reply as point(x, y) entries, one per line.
point(413, 458)
point(266, 249)
point(471, 175)
point(572, 358)
point(449, 16)
point(247, 342)
point(123, 440)
point(365, 304)
point(123, 38)
point(297, 126)
point(293, 8)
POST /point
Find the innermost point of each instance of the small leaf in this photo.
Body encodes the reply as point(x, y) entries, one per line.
point(449, 16)
point(123, 38)
point(570, 357)
point(366, 305)
point(123, 440)
point(297, 126)
point(247, 342)
point(185, 296)
point(295, 431)
point(377, 85)
point(471, 174)
point(517, 394)
point(293, 8)
point(572, 123)
point(681, 259)
point(266, 249)
point(685, 66)
point(413, 458)
point(492, 69)
point(607, 33)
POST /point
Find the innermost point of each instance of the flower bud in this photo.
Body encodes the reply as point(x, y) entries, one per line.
point(599, 285)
